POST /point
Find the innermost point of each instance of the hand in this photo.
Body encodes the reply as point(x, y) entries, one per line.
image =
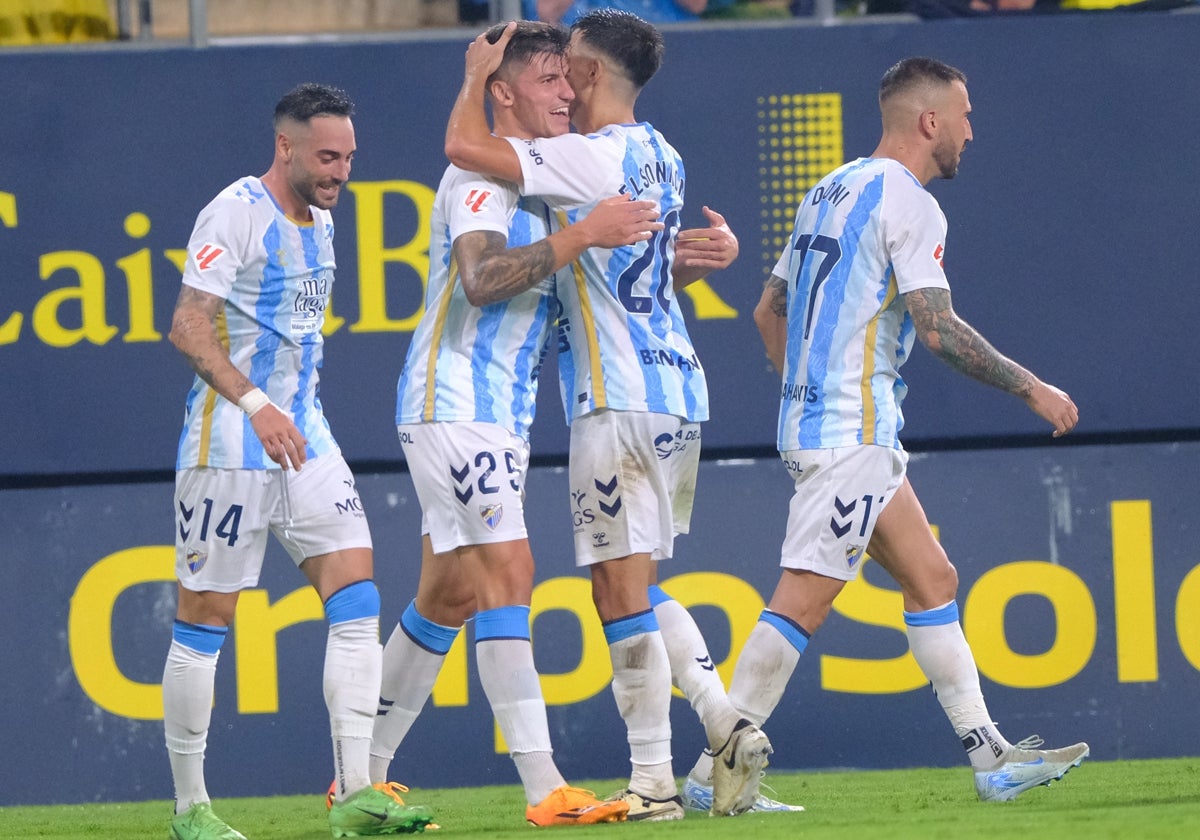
point(280, 438)
point(621, 221)
point(1053, 406)
point(712, 248)
point(484, 58)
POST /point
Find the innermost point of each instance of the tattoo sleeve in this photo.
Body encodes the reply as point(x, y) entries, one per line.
point(957, 343)
point(491, 271)
point(777, 287)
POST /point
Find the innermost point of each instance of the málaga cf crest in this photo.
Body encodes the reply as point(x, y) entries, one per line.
point(491, 514)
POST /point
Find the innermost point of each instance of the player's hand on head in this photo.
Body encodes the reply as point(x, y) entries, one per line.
point(713, 248)
point(484, 57)
point(1055, 407)
point(621, 220)
point(280, 438)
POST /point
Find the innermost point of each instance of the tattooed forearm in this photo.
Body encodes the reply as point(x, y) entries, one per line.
point(958, 344)
point(491, 272)
point(777, 289)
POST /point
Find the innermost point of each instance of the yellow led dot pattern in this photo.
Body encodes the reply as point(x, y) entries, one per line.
point(799, 142)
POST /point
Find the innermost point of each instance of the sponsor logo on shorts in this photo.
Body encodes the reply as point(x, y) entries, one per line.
point(664, 445)
point(491, 515)
point(599, 539)
point(583, 512)
point(196, 560)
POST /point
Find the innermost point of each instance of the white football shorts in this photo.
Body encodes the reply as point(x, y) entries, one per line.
point(470, 480)
point(633, 479)
point(839, 494)
point(222, 517)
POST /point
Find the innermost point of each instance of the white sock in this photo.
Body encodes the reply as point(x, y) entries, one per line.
point(642, 688)
point(945, 658)
point(353, 666)
point(188, 680)
point(511, 684)
point(693, 670)
point(410, 669)
point(763, 669)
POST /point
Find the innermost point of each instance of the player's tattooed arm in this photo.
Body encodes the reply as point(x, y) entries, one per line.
point(194, 334)
point(960, 345)
point(490, 271)
point(770, 316)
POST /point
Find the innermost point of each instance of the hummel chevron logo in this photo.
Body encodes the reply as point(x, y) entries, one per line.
point(186, 514)
point(607, 489)
point(464, 496)
point(705, 662)
point(843, 510)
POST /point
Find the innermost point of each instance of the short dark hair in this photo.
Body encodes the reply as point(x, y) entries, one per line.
point(910, 72)
point(531, 38)
point(309, 100)
point(635, 45)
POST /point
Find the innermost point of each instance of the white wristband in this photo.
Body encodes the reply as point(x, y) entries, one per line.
point(253, 402)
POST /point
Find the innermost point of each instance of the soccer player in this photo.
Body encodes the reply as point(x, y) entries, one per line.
point(257, 456)
point(861, 278)
point(634, 393)
point(465, 402)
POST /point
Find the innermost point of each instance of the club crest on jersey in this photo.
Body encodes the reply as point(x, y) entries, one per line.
point(854, 553)
point(196, 560)
point(477, 200)
point(206, 255)
point(491, 515)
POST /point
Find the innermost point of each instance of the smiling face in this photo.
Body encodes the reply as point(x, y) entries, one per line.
point(536, 99)
point(317, 157)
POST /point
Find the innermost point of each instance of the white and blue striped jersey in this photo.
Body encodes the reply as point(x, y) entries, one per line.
point(623, 343)
point(865, 235)
point(274, 274)
point(477, 363)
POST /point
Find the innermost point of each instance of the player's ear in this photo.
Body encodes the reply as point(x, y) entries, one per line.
point(501, 92)
point(929, 121)
point(283, 147)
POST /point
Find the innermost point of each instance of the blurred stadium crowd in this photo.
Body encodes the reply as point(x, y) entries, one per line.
point(43, 22)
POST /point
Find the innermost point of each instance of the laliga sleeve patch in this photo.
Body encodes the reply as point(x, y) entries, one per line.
point(477, 199)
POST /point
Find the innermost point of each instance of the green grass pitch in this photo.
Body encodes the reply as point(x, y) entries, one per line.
point(1130, 800)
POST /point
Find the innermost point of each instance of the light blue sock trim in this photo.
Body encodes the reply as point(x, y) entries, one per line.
point(511, 622)
point(203, 638)
point(657, 595)
point(931, 618)
point(350, 603)
point(796, 635)
point(631, 625)
point(435, 638)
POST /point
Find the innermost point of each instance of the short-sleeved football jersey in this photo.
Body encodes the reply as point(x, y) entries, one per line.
point(867, 234)
point(275, 275)
point(623, 343)
point(477, 363)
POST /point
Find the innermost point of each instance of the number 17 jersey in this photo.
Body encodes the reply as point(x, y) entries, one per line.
point(865, 235)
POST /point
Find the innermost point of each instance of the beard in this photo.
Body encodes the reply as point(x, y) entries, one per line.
point(307, 190)
point(946, 157)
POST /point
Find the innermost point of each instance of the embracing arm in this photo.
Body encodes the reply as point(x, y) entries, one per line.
point(959, 345)
point(194, 334)
point(770, 316)
point(470, 143)
point(701, 251)
point(490, 271)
